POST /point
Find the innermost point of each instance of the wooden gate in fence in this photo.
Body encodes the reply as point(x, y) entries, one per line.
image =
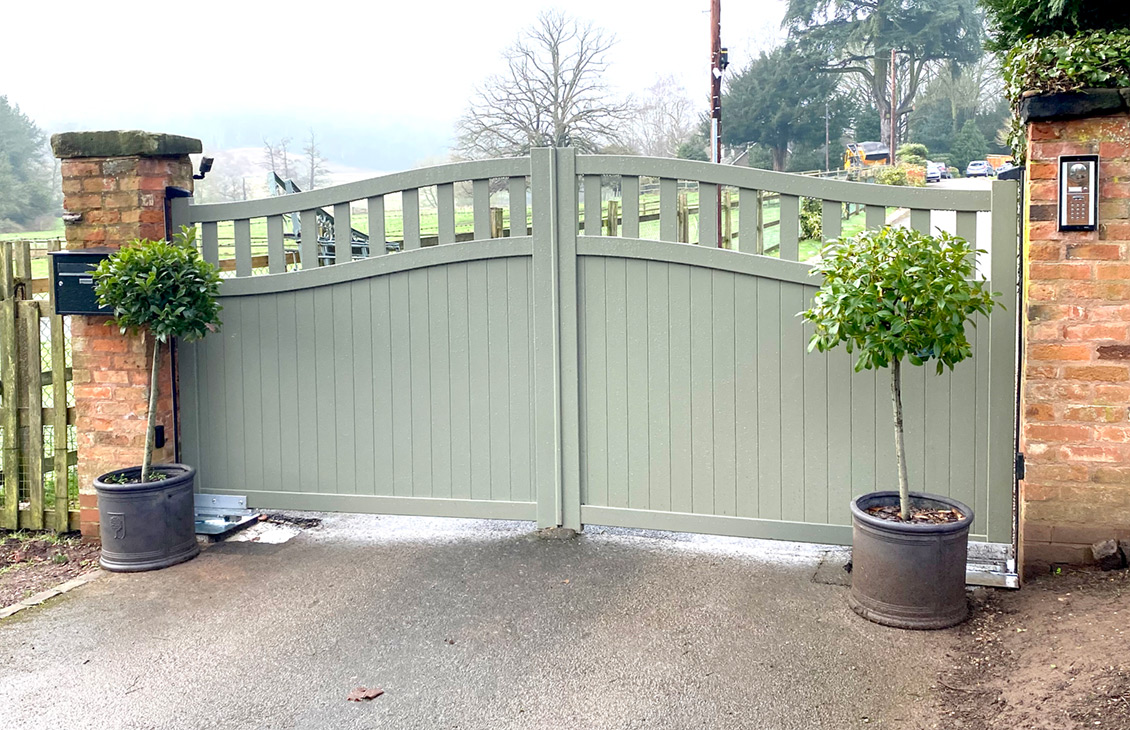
point(37, 416)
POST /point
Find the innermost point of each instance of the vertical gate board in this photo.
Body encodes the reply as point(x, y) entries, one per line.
point(745, 387)
point(251, 372)
point(342, 399)
point(867, 389)
point(815, 431)
point(459, 383)
point(33, 410)
point(440, 380)
point(326, 414)
point(402, 378)
point(840, 456)
point(769, 398)
point(385, 382)
point(594, 487)
point(421, 391)
point(616, 338)
point(982, 453)
point(364, 410)
point(289, 442)
point(270, 314)
point(725, 395)
point(702, 395)
point(498, 340)
point(306, 394)
point(639, 458)
point(936, 432)
point(962, 429)
point(517, 195)
point(792, 403)
point(478, 331)
point(914, 414)
point(518, 337)
point(681, 386)
point(658, 385)
point(235, 441)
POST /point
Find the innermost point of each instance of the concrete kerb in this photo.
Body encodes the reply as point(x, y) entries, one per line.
point(49, 593)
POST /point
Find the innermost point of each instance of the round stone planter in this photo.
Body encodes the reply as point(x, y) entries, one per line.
point(911, 576)
point(147, 526)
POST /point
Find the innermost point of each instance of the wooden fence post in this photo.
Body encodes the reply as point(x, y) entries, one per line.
point(613, 218)
point(727, 221)
point(496, 222)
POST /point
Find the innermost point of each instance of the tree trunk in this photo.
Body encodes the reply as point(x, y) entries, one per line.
point(780, 157)
point(900, 446)
point(147, 460)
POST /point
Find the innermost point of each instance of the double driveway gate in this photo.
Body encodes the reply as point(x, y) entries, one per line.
point(588, 367)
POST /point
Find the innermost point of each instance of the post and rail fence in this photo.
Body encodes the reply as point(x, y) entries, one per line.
point(37, 417)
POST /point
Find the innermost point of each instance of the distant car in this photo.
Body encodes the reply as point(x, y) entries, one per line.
point(947, 171)
point(934, 172)
point(978, 168)
point(1005, 167)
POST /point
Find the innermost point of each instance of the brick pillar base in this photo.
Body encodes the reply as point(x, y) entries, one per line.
point(1075, 405)
point(116, 181)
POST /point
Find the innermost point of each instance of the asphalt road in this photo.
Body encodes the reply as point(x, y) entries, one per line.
point(615, 629)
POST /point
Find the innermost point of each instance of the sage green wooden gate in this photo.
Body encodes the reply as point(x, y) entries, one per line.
point(561, 374)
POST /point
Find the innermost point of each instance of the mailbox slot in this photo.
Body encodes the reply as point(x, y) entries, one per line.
point(1078, 192)
point(72, 286)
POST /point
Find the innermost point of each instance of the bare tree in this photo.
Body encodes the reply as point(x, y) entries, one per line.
point(276, 156)
point(662, 119)
point(317, 171)
point(552, 94)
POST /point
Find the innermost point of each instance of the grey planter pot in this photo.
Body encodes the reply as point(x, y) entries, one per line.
point(907, 575)
point(147, 526)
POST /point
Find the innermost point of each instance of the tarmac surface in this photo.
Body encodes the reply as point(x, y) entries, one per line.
point(467, 624)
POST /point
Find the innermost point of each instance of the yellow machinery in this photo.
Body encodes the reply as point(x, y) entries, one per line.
point(865, 154)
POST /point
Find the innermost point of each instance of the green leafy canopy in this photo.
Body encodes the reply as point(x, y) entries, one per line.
point(894, 294)
point(160, 286)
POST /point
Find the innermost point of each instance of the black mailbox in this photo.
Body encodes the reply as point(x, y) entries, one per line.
point(72, 283)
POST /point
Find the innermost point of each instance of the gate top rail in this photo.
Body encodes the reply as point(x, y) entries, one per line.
point(786, 183)
point(360, 190)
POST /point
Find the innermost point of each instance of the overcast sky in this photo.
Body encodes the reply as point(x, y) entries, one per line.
point(401, 71)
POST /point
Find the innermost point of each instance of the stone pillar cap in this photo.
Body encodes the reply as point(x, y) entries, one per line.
point(122, 143)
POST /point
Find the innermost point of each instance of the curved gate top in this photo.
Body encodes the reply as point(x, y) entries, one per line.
point(574, 357)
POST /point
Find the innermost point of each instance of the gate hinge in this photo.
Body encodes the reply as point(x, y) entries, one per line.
point(1019, 465)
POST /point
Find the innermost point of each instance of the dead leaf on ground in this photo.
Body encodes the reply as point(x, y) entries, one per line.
point(362, 693)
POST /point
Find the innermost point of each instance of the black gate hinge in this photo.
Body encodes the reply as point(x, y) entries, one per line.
point(1019, 465)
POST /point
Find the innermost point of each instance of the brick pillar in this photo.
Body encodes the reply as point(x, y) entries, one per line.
point(116, 182)
point(1075, 403)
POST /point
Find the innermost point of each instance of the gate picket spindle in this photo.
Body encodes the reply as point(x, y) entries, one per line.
point(308, 239)
point(788, 227)
point(276, 252)
point(831, 219)
point(410, 212)
point(343, 233)
point(445, 211)
point(480, 196)
point(242, 232)
point(517, 192)
point(630, 202)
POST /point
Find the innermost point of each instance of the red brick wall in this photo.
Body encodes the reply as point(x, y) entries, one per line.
point(120, 199)
point(1075, 407)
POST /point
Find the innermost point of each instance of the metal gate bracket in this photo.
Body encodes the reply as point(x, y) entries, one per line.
point(220, 513)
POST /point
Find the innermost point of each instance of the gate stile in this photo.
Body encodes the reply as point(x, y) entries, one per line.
point(571, 376)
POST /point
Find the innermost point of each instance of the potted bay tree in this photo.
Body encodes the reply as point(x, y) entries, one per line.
point(159, 290)
point(894, 297)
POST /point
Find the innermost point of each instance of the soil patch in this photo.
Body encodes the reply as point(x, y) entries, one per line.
point(32, 563)
point(1052, 656)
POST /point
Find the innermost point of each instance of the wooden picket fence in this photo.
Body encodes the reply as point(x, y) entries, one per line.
point(37, 458)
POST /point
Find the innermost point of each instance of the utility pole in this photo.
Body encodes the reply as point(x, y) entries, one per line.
point(716, 66)
point(894, 107)
point(827, 159)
